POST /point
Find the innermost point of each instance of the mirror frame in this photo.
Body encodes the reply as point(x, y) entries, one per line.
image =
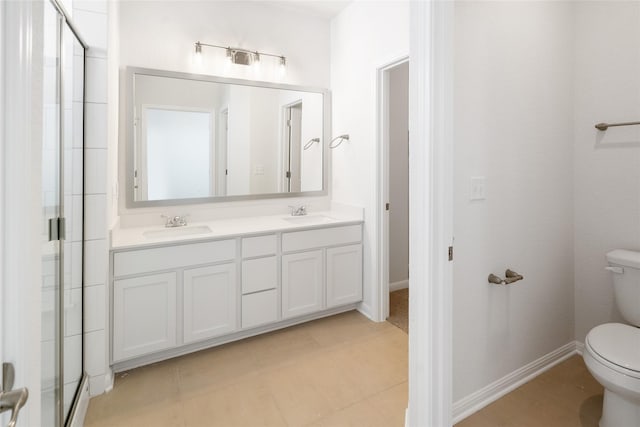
point(130, 74)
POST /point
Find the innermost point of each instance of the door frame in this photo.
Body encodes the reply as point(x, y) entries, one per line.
point(431, 212)
point(221, 164)
point(285, 153)
point(21, 152)
point(382, 103)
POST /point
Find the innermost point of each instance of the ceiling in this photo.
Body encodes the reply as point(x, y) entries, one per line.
point(322, 8)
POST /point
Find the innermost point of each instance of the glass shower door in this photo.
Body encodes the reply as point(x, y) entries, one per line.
point(51, 248)
point(62, 219)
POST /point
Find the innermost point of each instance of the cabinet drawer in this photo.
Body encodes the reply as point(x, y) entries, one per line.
point(259, 246)
point(300, 240)
point(166, 258)
point(259, 308)
point(259, 274)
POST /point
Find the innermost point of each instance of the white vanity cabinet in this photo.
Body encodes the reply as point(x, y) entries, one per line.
point(161, 300)
point(178, 297)
point(323, 271)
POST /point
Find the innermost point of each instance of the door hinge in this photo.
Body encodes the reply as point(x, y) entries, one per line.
point(450, 253)
point(386, 206)
point(288, 174)
point(226, 171)
point(56, 229)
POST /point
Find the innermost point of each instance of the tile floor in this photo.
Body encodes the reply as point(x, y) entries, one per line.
point(340, 371)
point(564, 396)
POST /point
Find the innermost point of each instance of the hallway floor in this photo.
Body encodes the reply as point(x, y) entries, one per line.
point(399, 309)
point(564, 396)
point(343, 370)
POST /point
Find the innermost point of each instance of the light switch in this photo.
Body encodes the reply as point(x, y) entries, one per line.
point(478, 191)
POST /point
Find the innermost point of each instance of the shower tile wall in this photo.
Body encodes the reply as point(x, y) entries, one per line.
point(91, 20)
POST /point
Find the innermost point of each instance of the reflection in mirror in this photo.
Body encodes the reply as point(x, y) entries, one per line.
point(203, 138)
point(176, 160)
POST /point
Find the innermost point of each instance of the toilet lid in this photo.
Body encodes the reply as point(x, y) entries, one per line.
point(617, 343)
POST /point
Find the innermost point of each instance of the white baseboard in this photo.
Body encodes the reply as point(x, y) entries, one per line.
point(481, 398)
point(580, 348)
point(396, 286)
point(80, 410)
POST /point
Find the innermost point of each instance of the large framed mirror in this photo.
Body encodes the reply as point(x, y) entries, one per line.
point(198, 139)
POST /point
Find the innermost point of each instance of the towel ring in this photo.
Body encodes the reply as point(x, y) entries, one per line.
point(310, 143)
point(342, 138)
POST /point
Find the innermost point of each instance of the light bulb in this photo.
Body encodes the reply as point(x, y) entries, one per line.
point(256, 63)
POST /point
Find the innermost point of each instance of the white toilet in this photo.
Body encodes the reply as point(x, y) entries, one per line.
point(612, 350)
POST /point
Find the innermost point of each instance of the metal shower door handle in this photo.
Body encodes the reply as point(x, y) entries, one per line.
point(12, 400)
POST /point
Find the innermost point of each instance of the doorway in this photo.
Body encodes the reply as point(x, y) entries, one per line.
point(292, 153)
point(394, 141)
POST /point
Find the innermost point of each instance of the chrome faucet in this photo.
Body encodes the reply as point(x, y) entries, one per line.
point(298, 210)
point(175, 221)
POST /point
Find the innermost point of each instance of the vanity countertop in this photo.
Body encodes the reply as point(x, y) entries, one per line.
point(157, 235)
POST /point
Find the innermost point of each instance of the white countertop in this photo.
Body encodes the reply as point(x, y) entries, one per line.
point(134, 237)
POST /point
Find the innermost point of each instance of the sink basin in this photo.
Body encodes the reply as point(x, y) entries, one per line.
point(309, 219)
point(177, 231)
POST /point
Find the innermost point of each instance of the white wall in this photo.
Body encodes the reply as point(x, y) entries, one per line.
point(607, 164)
point(91, 18)
point(513, 125)
point(238, 160)
point(366, 36)
point(162, 34)
point(151, 43)
point(399, 173)
point(265, 138)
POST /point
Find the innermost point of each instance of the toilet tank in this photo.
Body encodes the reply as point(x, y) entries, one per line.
point(625, 269)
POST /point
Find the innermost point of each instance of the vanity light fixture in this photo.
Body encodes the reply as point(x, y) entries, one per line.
point(240, 56)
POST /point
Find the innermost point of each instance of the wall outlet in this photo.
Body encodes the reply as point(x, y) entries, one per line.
point(478, 190)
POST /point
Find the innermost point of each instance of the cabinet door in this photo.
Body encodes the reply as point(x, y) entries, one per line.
point(210, 295)
point(144, 315)
point(344, 275)
point(302, 283)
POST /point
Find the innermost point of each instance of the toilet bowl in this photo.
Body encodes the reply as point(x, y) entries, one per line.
point(612, 355)
point(612, 350)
